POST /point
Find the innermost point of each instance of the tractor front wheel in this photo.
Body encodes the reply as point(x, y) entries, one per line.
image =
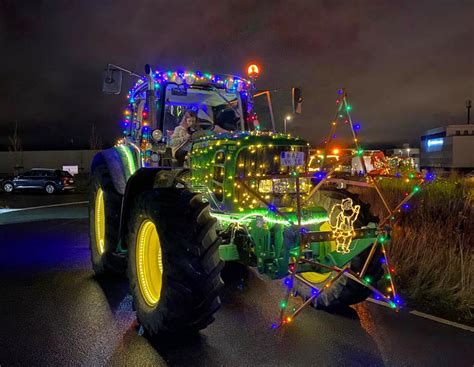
point(173, 264)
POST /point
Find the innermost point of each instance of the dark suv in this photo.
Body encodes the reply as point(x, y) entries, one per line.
point(49, 180)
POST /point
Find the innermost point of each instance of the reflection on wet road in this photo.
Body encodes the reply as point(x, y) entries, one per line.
point(54, 312)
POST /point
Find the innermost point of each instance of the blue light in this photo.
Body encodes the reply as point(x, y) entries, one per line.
point(274, 326)
point(406, 206)
point(340, 91)
point(314, 292)
point(271, 207)
point(435, 142)
point(398, 174)
point(429, 177)
point(319, 175)
point(357, 127)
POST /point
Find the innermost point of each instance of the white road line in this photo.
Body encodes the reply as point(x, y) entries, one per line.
point(442, 321)
point(3, 211)
point(429, 317)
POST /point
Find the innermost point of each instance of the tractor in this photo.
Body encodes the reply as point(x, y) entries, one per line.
point(245, 195)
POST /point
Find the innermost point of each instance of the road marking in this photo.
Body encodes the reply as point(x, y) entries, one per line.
point(442, 321)
point(3, 211)
point(429, 317)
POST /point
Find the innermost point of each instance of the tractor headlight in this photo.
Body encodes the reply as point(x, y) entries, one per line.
point(157, 135)
point(283, 185)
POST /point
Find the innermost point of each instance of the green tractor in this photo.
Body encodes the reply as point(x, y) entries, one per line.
point(245, 195)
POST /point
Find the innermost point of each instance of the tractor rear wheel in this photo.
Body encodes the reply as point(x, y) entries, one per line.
point(104, 217)
point(173, 264)
point(344, 291)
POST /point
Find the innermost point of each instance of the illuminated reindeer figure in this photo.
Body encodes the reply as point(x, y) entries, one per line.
point(344, 215)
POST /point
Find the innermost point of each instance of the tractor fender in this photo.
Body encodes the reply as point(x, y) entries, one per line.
point(145, 179)
point(118, 164)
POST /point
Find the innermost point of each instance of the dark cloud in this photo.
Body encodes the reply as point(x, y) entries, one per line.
point(408, 65)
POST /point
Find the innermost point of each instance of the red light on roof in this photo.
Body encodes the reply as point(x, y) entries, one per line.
point(253, 70)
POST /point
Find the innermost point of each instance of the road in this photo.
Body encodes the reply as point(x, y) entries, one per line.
point(53, 312)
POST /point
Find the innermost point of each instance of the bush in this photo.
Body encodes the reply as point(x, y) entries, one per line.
point(432, 246)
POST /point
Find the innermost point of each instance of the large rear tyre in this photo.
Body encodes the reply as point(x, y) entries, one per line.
point(104, 218)
point(344, 291)
point(173, 263)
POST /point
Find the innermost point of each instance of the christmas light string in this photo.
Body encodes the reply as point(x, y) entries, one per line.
point(391, 297)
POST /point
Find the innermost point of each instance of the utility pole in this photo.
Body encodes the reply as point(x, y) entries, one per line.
point(468, 107)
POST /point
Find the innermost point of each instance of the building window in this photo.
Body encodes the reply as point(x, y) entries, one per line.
point(458, 132)
point(466, 132)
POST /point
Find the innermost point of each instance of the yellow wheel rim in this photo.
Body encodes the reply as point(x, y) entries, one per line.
point(99, 218)
point(149, 263)
point(315, 278)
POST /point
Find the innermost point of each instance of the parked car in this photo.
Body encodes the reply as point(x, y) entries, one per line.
point(46, 179)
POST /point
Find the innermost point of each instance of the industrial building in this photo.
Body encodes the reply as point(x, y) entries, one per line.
point(450, 147)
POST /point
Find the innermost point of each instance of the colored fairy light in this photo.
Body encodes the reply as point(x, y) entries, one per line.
point(429, 176)
point(416, 189)
point(357, 127)
point(348, 108)
point(319, 175)
point(367, 279)
point(406, 206)
point(274, 326)
point(283, 304)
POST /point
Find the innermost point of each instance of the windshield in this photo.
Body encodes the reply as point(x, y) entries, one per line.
point(213, 107)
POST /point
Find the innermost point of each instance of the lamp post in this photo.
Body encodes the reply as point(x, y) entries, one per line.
point(287, 118)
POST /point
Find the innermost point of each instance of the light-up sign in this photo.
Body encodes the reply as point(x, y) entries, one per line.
point(435, 142)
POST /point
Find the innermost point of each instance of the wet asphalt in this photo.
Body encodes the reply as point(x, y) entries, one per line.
point(54, 312)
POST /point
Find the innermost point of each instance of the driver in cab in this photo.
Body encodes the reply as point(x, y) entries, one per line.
point(183, 135)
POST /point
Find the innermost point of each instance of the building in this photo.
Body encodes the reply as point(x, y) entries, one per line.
point(406, 152)
point(449, 147)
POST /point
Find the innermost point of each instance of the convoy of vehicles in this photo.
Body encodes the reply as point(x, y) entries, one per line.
point(245, 195)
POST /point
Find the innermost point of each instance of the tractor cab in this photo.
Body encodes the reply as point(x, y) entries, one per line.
point(159, 100)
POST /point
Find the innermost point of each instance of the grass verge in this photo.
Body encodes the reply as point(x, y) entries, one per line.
point(432, 247)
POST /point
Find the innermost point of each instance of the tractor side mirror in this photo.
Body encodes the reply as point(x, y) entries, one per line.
point(297, 99)
point(112, 82)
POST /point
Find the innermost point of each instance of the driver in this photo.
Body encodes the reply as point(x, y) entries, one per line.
point(184, 134)
point(181, 139)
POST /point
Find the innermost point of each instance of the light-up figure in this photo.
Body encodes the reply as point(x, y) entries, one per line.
point(341, 219)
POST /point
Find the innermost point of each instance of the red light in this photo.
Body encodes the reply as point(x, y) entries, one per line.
point(253, 70)
point(335, 151)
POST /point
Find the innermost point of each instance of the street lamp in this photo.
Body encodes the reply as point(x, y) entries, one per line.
point(287, 118)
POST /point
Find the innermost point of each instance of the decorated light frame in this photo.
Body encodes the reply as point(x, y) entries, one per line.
point(382, 231)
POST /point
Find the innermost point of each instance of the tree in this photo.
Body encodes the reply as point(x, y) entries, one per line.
point(95, 142)
point(15, 147)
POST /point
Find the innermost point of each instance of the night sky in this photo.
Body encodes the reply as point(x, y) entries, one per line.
point(407, 65)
